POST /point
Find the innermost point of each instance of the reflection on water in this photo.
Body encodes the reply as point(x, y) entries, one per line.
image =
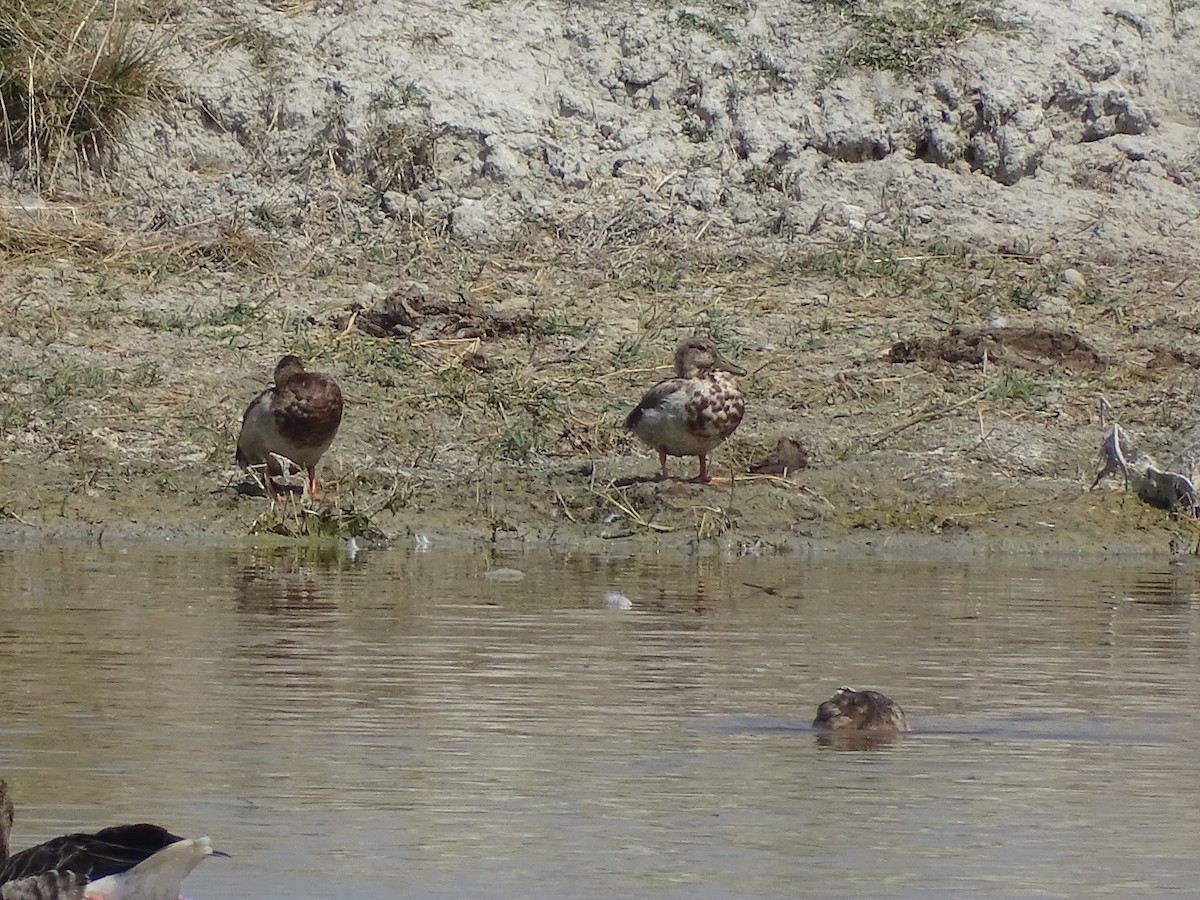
point(401, 724)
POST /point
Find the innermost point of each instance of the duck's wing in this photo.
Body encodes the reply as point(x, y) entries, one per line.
point(47, 886)
point(160, 875)
point(307, 409)
point(257, 423)
point(654, 398)
point(89, 856)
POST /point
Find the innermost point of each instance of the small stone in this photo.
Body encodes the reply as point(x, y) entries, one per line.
point(1072, 278)
point(504, 575)
point(853, 216)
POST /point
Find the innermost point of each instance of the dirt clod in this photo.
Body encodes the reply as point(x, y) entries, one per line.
point(1020, 348)
point(412, 312)
point(789, 456)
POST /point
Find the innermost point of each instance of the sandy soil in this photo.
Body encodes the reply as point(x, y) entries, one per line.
point(939, 355)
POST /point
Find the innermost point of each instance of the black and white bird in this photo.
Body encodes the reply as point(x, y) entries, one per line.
point(124, 862)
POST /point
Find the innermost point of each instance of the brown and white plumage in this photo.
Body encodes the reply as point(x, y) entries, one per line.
point(124, 862)
point(865, 711)
point(47, 886)
point(296, 419)
point(694, 411)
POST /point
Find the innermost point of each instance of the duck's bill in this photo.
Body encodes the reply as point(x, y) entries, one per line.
point(726, 365)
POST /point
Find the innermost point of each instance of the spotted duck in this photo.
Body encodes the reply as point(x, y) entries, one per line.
point(692, 412)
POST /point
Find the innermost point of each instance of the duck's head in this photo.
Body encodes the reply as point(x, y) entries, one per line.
point(699, 356)
point(286, 368)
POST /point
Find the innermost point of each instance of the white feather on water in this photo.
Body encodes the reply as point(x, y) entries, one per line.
point(617, 600)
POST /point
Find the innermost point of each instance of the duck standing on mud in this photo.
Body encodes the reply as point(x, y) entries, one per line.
point(296, 419)
point(124, 862)
point(694, 411)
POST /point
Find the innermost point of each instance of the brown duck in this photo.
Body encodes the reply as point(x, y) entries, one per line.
point(851, 710)
point(296, 419)
point(694, 411)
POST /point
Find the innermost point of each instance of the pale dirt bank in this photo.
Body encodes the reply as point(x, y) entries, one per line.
point(600, 182)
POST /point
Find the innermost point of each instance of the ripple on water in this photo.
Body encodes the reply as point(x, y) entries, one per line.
point(405, 721)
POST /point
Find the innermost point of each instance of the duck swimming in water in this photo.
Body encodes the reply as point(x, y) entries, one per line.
point(124, 862)
point(694, 411)
point(296, 419)
point(865, 711)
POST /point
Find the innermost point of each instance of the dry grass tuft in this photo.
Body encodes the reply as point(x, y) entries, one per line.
point(26, 239)
point(233, 249)
point(72, 74)
point(33, 240)
point(290, 7)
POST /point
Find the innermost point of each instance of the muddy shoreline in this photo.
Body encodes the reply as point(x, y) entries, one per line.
point(495, 414)
point(514, 519)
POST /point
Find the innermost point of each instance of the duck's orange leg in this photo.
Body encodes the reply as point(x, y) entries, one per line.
point(704, 477)
point(313, 493)
point(662, 464)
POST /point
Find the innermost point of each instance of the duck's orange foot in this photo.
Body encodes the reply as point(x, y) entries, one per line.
point(313, 493)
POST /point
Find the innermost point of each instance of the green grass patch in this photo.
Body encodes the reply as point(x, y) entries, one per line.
point(237, 314)
point(656, 277)
point(1015, 385)
point(630, 353)
point(299, 520)
point(1024, 296)
point(397, 93)
point(690, 21)
point(519, 442)
point(903, 36)
point(262, 46)
point(57, 386)
point(53, 390)
point(865, 257)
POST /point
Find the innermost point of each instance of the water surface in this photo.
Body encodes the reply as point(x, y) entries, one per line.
point(403, 724)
